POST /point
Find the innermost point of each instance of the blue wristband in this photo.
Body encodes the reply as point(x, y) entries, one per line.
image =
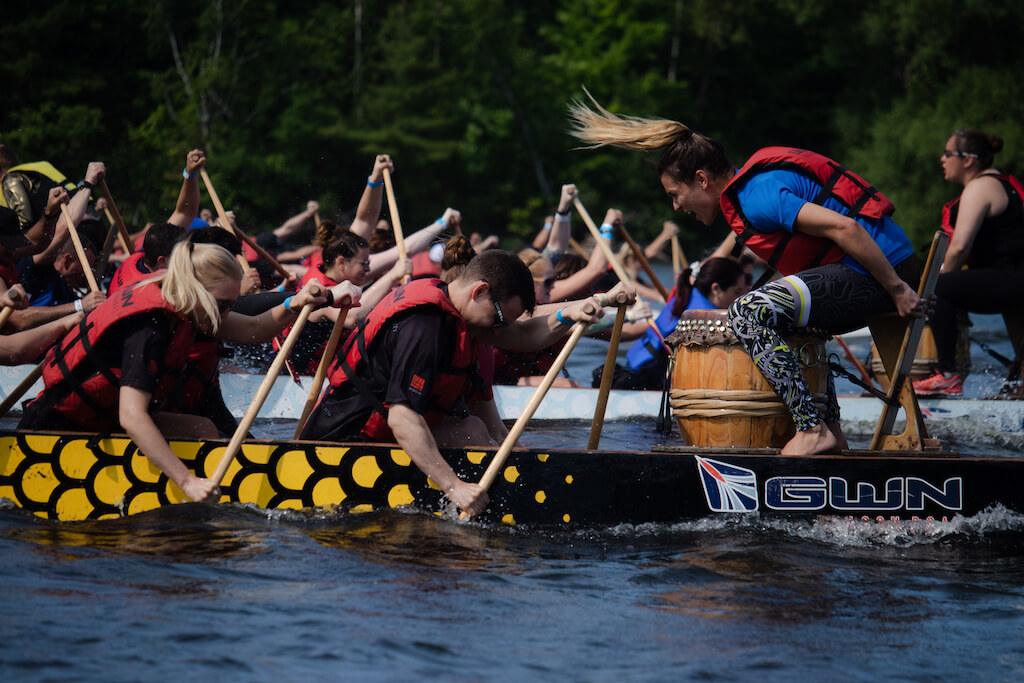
point(186, 174)
point(561, 318)
point(370, 183)
point(547, 226)
point(441, 221)
point(287, 303)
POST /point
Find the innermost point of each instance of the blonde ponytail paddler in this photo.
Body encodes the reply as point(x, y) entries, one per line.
point(191, 271)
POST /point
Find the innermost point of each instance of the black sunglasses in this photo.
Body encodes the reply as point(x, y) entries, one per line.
point(497, 309)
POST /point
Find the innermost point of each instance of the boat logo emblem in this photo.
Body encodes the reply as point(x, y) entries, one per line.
point(727, 488)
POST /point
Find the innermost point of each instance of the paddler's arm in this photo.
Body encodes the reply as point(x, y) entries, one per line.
point(133, 413)
point(414, 436)
point(245, 329)
point(368, 211)
point(414, 243)
point(187, 208)
point(851, 237)
point(27, 346)
point(541, 332)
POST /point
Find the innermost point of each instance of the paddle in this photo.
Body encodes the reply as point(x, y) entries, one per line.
point(853, 359)
point(644, 263)
point(19, 391)
point(112, 212)
point(679, 263)
point(261, 394)
point(5, 314)
point(100, 267)
point(228, 225)
point(82, 258)
point(491, 473)
point(607, 376)
point(578, 248)
point(396, 222)
point(614, 261)
point(321, 370)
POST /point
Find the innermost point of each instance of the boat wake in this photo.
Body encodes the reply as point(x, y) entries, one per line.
point(848, 532)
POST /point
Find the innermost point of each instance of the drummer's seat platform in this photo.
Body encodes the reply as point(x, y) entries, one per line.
point(896, 340)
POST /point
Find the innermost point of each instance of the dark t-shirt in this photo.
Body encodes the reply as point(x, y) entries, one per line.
point(402, 364)
point(44, 284)
point(135, 345)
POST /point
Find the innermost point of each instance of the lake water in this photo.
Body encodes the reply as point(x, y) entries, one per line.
point(232, 593)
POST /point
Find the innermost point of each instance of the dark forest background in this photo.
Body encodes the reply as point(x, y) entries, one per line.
point(291, 100)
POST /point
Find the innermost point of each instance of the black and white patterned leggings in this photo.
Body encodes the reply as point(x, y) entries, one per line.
point(835, 298)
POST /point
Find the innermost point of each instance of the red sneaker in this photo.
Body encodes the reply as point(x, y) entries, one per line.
point(939, 385)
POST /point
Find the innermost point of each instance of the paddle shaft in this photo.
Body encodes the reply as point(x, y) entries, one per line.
point(20, 390)
point(5, 314)
point(82, 258)
point(578, 248)
point(396, 221)
point(606, 380)
point(228, 225)
point(644, 263)
point(865, 375)
point(679, 263)
point(261, 396)
point(321, 370)
point(112, 212)
point(908, 348)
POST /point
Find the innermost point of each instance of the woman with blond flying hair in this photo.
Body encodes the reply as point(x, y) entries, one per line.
point(117, 369)
point(820, 225)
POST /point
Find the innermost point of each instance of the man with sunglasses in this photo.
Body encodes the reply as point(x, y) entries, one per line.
point(408, 372)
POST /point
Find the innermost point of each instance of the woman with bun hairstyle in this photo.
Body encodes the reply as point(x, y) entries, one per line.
point(818, 224)
point(986, 227)
point(117, 369)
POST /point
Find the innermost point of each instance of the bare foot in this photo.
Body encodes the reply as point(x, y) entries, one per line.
point(817, 439)
point(837, 431)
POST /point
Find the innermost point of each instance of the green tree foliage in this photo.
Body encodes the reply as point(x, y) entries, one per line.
point(292, 100)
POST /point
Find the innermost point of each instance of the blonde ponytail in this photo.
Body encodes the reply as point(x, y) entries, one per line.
point(598, 127)
point(191, 270)
point(684, 151)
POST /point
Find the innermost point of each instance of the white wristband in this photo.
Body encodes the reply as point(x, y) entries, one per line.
point(78, 306)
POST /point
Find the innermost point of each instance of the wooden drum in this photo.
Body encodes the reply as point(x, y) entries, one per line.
point(718, 395)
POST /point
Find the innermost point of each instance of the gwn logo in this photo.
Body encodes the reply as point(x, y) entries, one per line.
point(727, 488)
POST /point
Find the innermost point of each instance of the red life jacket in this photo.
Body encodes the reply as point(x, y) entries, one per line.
point(423, 266)
point(90, 388)
point(315, 260)
point(451, 386)
point(792, 252)
point(310, 331)
point(128, 273)
point(999, 241)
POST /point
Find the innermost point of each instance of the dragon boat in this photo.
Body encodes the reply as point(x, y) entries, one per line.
point(73, 476)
